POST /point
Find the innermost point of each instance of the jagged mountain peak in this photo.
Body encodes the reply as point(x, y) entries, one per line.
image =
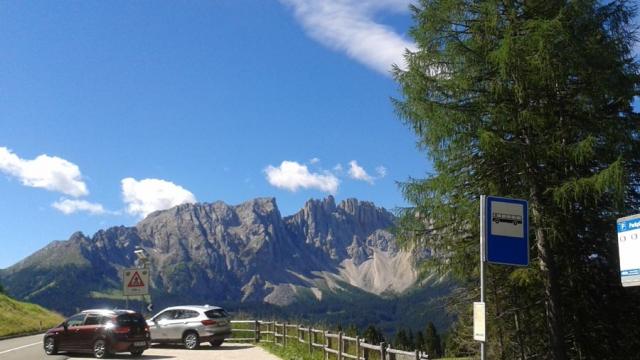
point(244, 252)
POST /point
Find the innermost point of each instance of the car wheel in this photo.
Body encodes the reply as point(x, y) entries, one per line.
point(50, 346)
point(100, 349)
point(137, 353)
point(216, 343)
point(191, 340)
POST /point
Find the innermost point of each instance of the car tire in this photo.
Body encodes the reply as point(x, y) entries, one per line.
point(50, 346)
point(137, 353)
point(191, 340)
point(100, 349)
point(216, 343)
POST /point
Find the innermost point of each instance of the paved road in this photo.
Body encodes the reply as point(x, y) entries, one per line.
point(30, 348)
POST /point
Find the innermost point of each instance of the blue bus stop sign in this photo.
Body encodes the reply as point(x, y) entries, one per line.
point(507, 231)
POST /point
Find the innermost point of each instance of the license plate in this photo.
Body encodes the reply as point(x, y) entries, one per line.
point(140, 343)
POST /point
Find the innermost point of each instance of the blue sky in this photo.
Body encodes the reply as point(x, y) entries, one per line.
point(112, 109)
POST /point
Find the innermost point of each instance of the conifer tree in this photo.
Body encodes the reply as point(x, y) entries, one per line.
point(533, 100)
point(432, 343)
point(373, 335)
point(401, 340)
point(420, 341)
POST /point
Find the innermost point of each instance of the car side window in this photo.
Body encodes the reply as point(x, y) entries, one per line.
point(76, 320)
point(93, 319)
point(186, 314)
point(167, 315)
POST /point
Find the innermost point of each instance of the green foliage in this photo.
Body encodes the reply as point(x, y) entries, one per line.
point(432, 343)
point(419, 343)
point(402, 340)
point(351, 330)
point(373, 335)
point(528, 100)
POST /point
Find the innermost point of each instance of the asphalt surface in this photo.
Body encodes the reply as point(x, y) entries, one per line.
point(30, 348)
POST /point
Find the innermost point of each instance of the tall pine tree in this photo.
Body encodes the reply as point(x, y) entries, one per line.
point(530, 99)
point(433, 345)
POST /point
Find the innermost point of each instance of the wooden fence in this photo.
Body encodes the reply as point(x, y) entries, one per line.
point(332, 345)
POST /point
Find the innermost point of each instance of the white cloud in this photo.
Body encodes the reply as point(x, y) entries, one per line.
point(68, 206)
point(292, 176)
point(357, 172)
point(349, 26)
point(148, 195)
point(381, 171)
point(314, 161)
point(46, 172)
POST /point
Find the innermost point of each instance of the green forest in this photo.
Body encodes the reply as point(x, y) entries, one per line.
point(530, 100)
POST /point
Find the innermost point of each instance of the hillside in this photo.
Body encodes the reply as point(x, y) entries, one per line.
point(19, 317)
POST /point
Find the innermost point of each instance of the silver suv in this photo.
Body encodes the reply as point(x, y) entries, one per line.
point(190, 325)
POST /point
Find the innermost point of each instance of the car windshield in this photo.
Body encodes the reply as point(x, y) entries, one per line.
point(216, 314)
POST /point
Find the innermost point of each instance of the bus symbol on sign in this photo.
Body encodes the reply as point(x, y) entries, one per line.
point(506, 227)
point(507, 218)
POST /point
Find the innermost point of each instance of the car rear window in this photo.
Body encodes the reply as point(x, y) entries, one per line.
point(216, 314)
point(130, 320)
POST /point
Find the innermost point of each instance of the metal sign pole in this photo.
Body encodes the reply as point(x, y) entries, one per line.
point(483, 199)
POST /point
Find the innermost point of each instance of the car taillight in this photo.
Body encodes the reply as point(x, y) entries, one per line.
point(122, 330)
point(208, 322)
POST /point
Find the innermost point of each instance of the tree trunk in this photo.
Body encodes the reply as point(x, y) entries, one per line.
point(551, 284)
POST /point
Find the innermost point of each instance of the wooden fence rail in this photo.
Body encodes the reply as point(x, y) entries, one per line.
point(333, 345)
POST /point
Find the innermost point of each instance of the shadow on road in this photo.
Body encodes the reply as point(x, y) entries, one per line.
point(120, 356)
point(204, 347)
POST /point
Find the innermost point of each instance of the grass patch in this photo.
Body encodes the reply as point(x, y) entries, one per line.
point(109, 295)
point(293, 351)
point(20, 318)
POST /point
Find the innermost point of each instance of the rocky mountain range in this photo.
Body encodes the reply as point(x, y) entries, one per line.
point(217, 253)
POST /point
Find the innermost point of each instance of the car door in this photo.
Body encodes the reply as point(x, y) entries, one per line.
point(175, 327)
point(69, 338)
point(187, 319)
point(159, 325)
point(86, 333)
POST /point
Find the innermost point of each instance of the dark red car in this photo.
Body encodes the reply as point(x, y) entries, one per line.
point(101, 332)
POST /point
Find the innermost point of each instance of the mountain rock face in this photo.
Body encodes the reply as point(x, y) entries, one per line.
point(214, 252)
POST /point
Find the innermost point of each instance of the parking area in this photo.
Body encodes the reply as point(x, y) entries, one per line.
point(30, 348)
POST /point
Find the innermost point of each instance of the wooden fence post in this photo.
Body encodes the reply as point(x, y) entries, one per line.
point(326, 345)
point(358, 347)
point(417, 355)
point(340, 345)
point(257, 331)
point(311, 338)
point(383, 351)
point(284, 333)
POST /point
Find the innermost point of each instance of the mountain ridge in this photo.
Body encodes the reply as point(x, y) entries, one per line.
point(227, 253)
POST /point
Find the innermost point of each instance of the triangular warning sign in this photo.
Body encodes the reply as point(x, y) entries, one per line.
point(136, 281)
